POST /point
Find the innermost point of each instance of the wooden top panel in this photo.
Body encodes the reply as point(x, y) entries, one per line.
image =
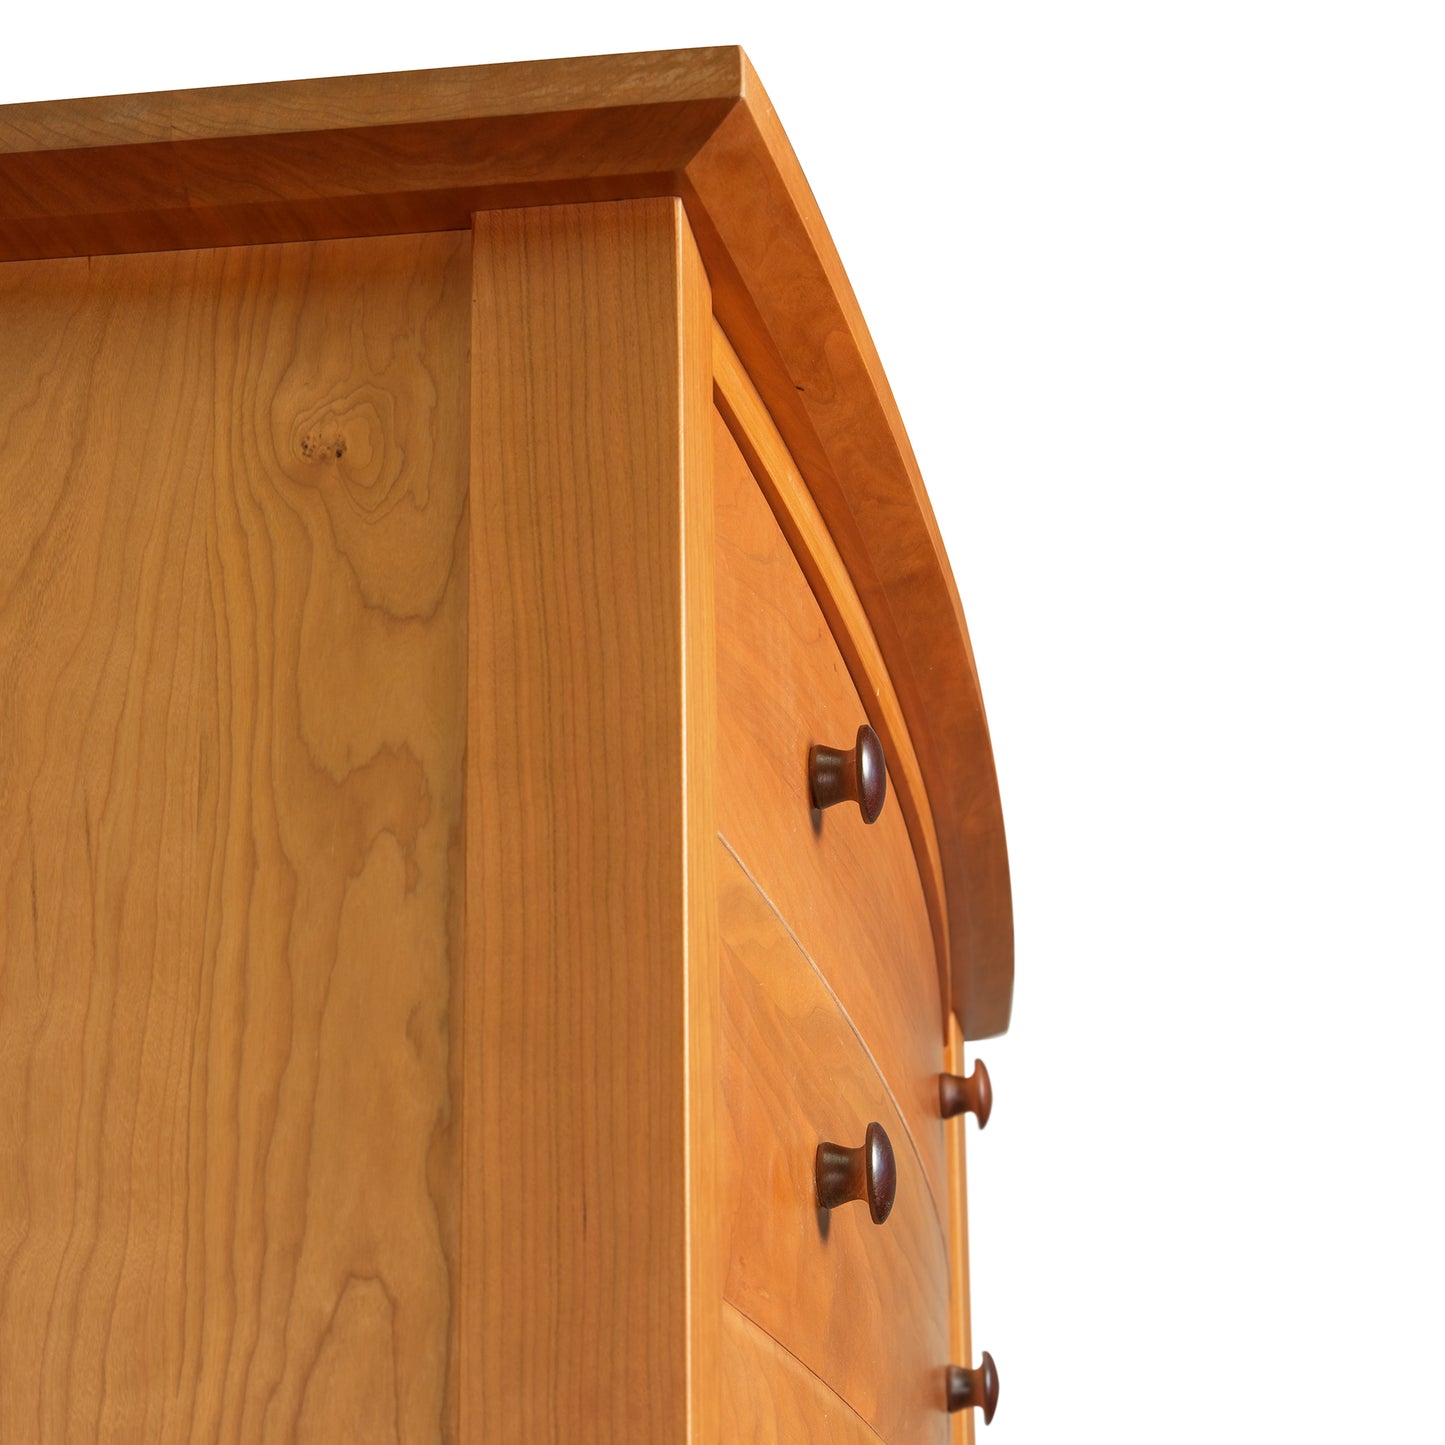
point(363, 102)
point(376, 155)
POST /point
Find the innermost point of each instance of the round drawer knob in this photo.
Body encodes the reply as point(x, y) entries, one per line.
point(869, 1173)
point(968, 1388)
point(858, 776)
point(973, 1095)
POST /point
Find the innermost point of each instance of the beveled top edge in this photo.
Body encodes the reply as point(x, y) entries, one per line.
point(348, 102)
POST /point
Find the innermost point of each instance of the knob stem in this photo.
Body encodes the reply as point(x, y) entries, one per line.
point(973, 1389)
point(842, 1175)
point(971, 1095)
point(859, 775)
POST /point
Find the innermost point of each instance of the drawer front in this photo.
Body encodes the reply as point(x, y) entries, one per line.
point(770, 1398)
point(864, 1306)
point(848, 891)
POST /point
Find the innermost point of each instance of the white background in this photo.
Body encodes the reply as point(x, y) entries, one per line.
point(1161, 291)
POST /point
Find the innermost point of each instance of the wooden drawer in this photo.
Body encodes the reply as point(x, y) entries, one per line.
point(863, 1306)
point(850, 893)
point(770, 1398)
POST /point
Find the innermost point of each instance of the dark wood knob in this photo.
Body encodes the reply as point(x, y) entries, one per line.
point(973, 1095)
point(971, 1388)
point(868, 1173)
point(858, 776)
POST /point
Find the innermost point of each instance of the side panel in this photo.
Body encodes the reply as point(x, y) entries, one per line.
point(232, 727)
point(591, 1292)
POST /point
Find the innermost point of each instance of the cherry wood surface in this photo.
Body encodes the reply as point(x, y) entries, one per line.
point(361, 102)
point(356, 155)
point(864, 1306)
point(233, 593)
point(758, 439)
point(591, 1259)
point(350, 157)
point(960, 1320)
point(329, 1107)
point(770, 1398)
point(784, 300)
point(849, 891)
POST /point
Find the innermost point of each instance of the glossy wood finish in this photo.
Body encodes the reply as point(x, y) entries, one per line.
point(784, 301)
point(966, 1095)
point(960, 1323)
point(857, 775)
point(591, 1261)
point(701, 982)
point(354, 155)
point(864, 1308)
point(233, 596)
point(800, 521)
point(316, 1200)
point(770, 1398)
point(599, 85)
point(370, 155)
point(849, 892)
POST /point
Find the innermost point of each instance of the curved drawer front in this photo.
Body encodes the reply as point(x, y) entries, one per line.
point(863, 1306)
point(849, 892)
point(770, 1398)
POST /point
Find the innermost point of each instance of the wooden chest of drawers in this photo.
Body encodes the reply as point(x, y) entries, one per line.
point(447, 512)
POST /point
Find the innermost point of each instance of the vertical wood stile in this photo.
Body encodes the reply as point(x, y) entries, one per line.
point(590, 1279)
point(960, 1326)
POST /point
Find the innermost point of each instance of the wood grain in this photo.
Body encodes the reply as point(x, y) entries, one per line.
point(359, 155)
point(864, 1306)
point(782, 297)
point(772, 466)
point(702, 989)
point(589, 1186)
point(771, 1398)
point(232, 662)
point(960, 1329)
point(297, 161)
point(360, 102)
point(850, 892)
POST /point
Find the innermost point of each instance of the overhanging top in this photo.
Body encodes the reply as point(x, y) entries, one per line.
point(418, 151)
